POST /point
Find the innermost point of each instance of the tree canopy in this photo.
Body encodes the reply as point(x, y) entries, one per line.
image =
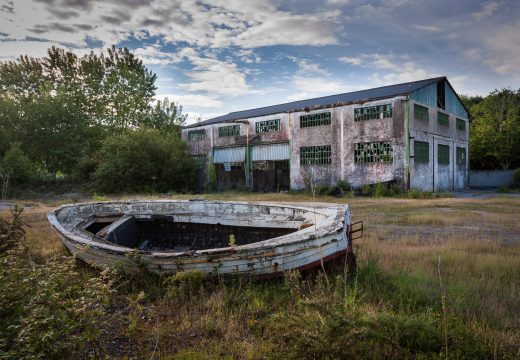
point(60, 108)
point(495, 129)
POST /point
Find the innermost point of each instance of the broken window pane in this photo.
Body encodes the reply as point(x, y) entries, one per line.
point(315, 155)
point(373, 112)
point(371, 152)
point(315, 120)
point(267, 126)
point(231, 130)
point(196, 134)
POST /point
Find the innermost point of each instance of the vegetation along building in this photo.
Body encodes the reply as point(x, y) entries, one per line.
point(415, 134)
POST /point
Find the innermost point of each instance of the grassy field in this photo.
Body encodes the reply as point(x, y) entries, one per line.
point(437, 278)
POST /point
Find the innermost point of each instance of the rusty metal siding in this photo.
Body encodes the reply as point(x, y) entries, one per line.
point(229, 155)
point(273, 152)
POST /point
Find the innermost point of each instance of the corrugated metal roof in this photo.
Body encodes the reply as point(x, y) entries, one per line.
point(229, 155)
point(272, 152)
point(363, 95)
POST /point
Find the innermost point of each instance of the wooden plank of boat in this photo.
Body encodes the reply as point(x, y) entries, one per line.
point(308, 246)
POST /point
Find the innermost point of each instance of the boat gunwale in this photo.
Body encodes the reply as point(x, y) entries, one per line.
point(334, 223)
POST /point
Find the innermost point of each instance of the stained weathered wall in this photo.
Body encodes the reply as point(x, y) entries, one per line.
point(433, 176)
point(341, 135)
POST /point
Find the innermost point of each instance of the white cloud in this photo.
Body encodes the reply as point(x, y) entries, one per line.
point(487, 10)
point(213, 23)
point(351, 60)
point(192, 100)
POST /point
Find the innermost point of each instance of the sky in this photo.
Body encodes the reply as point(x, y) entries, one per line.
point(219, 56)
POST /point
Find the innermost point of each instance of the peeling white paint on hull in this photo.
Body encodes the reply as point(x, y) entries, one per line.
point(319, 235)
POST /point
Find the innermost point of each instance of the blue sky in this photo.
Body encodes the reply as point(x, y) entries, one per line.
point(218, 56)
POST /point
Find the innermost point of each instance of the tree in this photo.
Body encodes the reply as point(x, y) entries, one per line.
point(144, 160)
point(61, 107)
point(165, 116)
point(15, 167)
point(495, 130)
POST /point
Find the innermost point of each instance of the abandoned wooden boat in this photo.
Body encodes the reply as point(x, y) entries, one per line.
point(215, 237)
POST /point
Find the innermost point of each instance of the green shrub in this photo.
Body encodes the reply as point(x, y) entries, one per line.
point(49, 310)
point(17, 166)
point(366, 190)
point(380, 190)
point(144, 160)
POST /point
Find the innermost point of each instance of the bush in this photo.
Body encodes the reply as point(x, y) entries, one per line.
point(144, 161)
point(49, 310)
point(17, 166)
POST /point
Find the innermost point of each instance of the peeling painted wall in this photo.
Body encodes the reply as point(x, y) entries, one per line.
point(344, 132)
point(433, 176)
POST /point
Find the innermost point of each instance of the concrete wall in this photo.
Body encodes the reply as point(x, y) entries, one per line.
point(490, 178)
point(341, 135)
point(433, 176)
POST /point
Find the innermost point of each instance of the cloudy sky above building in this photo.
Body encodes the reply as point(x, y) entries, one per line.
point(218, 56)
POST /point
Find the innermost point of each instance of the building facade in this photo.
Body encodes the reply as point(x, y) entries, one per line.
point(415, 134)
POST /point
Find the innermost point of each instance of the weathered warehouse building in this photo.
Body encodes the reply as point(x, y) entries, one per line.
point(415, 134)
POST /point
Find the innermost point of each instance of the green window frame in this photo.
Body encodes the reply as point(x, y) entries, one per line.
point(373, 152)
point(311, 120)
point(267, 126)
point(461, 156)
point(461, 124)
point(373, 112)
point(230, 130)
point(443, 154)
point(315, 155)
point(420, 112)
point(199, 161)
point(443, 119)
point(197, 134)
point(421, 151)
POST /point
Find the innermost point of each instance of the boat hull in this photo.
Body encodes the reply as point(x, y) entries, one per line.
point(310, 246)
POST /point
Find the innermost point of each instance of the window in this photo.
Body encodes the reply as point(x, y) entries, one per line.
point(461, 156)
point(372, 152)
point(196, 134)
point(373, 112)
point(443, 154)
point(443, 119)
point(315, 120)
point(231, 130)
point(199, 161)
point(267, 126)
point(315, 155)
point(461, 124)
point(420, 112)
point(421, 151)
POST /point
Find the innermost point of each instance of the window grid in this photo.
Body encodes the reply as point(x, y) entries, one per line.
point(461, 124)
point(231, 130)
point(420, 112)
point(461, 156)
point(421, 151)
point(373, 112)
point(443, 119)
point(315, 155)
point(372, 152)
point(443, 154)
point(267, 126)
point(315, 119)
point(197, 134)
point(199, 161)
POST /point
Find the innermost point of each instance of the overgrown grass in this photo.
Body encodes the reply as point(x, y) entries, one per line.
point(394, 308)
